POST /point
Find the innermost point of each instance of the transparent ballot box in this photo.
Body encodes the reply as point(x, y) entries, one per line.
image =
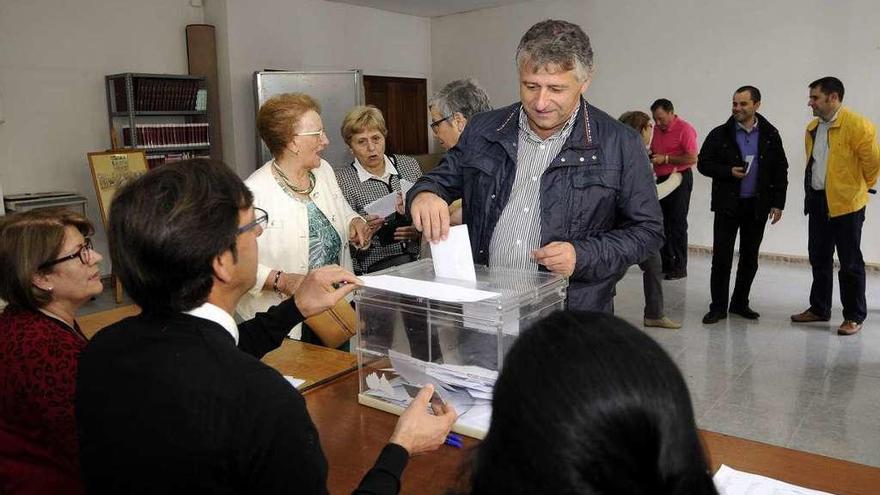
point(418, 329)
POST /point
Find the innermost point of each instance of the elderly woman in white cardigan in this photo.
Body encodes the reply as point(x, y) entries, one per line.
point(310, 222)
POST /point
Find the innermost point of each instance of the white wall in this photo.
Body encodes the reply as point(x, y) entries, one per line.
point(695, 53)
point(304, 35)
point(53, 58)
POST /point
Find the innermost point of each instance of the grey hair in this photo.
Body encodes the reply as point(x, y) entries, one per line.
point(555, 42)
point(464, 96)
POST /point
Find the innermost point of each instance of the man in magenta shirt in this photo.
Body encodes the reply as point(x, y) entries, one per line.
point(674, 149)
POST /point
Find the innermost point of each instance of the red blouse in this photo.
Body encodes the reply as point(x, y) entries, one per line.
point(38, 445)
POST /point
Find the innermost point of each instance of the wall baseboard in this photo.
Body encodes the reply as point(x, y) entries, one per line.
point(781, 258)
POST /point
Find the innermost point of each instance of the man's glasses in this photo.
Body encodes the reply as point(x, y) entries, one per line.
point(436, 124)
point(261, 218)
point(84, 253)
point(319, 132)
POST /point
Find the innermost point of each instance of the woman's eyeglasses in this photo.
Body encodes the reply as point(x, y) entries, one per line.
point(319, 132)
point(84, 253)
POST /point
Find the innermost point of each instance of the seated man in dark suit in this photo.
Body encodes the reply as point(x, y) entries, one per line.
point(175, 400)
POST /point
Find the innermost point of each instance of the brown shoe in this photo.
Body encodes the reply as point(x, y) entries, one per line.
point(807, 317)
point(849, 327)
point(663, 322)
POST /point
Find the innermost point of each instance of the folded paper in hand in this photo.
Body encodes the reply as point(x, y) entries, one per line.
point(384, 206)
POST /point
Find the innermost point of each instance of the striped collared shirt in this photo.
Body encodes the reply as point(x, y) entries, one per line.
point(518, 231)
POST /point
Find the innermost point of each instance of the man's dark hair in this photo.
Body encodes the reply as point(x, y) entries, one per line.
point(166, 228)
point(616, 417)
point(754, 92)
point(663, 103)
point(829, 85)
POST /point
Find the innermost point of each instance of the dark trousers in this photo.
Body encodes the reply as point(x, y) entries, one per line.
point(651, 275)
point(845, 234)
point(750, 225)
point(675, 225)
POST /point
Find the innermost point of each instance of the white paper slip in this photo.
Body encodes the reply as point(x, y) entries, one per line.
point(421, 288)
point(453, 258)
point(296, 382)
point(750, 159)
point(405, 186)
point(729, 481)
point(383, 206)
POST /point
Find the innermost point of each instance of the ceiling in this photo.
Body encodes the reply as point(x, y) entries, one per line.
point(429, 8)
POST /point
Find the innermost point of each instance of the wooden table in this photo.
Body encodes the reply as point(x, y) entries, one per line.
point(352, 436)
point(314, 364)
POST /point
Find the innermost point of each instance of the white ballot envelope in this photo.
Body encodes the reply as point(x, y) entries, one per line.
point(452, 257)
point(384, 206)
point(405, 186)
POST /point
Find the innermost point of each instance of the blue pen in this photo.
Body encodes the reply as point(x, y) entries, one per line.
point(453, 440)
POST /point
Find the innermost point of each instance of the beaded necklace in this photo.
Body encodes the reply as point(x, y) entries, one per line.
point(285, 182)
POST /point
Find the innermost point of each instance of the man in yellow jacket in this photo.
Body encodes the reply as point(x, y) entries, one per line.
point(843, 159)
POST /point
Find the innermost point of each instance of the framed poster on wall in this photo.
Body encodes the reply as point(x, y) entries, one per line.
point(111, 170)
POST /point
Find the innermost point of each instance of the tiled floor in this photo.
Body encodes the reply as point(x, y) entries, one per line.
point(797, 385)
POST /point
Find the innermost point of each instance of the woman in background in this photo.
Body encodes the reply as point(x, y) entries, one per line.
point(652, 268)
point(49, 271)
point(371, 175)
point(588, 404)
point(311, 224)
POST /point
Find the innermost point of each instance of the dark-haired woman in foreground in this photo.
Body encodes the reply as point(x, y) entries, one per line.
point(49, 270)
point(588, 404)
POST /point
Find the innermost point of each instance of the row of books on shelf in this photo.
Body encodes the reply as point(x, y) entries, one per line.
point(168, 135)
point(159, 160)
point(162, 95)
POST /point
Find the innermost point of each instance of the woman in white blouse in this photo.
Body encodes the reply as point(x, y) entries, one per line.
point(310, 222)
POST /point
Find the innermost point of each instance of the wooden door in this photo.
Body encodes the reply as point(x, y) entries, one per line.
point(404, 103)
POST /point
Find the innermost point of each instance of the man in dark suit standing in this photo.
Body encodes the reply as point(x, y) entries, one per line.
point(749, 171)
point(175, 400)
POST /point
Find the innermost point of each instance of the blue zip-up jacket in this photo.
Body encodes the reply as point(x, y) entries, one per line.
point(598, 194)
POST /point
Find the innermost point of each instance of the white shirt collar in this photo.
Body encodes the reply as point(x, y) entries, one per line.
point(214, 313)
point(364, 176)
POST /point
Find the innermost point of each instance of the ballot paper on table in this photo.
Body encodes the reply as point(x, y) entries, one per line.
point(453, 258)
point(296, 382)
point(421, 288)
point(384, 206)
point(729, 481)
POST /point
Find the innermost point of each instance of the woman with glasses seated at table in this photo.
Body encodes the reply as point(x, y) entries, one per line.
point(49, 271)
point(310, 223)
point(586, 403)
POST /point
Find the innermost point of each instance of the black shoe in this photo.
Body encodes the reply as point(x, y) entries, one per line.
point(744, 311)
point(675, 275)
point(714, 316)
